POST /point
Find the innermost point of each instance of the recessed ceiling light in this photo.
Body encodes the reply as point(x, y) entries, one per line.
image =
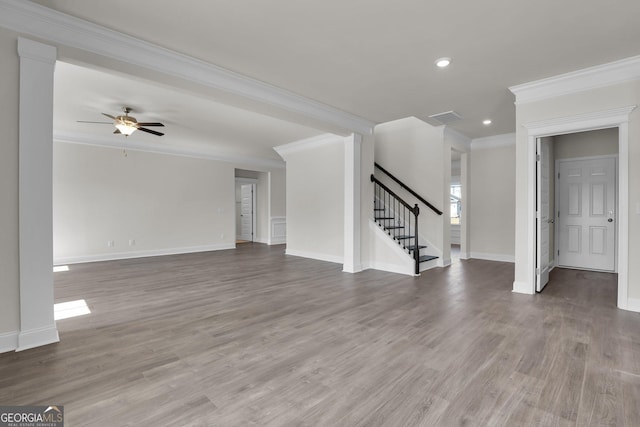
point(486, 122)
point(443, 62)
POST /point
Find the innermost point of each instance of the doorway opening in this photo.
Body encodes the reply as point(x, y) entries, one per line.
point(456, 204)
point(576, 203)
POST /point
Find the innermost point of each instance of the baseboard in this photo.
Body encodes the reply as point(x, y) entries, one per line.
point(277, 241)
point(493, 257)
point(8, 341)
point(464, 255)
point(140, 254)
point(633, 304)
point(522, 288)
point(37, 337)
point(315, 255)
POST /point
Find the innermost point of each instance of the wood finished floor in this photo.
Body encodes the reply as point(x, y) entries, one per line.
point(252, 337)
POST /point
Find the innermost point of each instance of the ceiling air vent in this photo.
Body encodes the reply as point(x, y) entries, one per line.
point(446, 117)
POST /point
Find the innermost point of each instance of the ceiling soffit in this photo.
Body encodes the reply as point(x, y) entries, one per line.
point(47, 24)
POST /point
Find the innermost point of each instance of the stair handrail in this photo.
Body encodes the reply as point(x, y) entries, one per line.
point(413, 209)
point(406, 187)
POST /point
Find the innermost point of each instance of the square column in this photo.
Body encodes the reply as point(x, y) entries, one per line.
point(352, 190)
point(37, 325)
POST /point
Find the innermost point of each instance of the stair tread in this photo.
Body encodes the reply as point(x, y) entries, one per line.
point(393, 227)
point(413, 247)
point(385, 217)
point(405, 236)
point(425, 258)
point(378, 209)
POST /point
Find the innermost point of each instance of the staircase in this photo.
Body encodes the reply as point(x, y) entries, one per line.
point(400, 221)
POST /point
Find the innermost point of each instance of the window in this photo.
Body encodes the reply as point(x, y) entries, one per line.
point(456, 204)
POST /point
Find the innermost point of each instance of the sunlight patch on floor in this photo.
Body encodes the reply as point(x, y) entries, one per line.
point(66, 310)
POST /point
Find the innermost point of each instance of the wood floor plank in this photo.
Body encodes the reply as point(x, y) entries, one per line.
point(253, 337)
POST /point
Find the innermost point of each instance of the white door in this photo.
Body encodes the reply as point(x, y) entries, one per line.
point(246, 212)
point(587, 214)
point(544, 219)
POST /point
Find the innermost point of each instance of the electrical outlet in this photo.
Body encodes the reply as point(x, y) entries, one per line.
point(221, 236)
point(111, 243)
point(132, 242)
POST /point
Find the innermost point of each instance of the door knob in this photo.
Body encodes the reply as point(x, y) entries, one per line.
point(610, 220)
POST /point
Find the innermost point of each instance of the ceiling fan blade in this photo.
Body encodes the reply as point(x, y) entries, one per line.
point(117, 131)
point(151, 124)
point(99, 123)
point(151, 131)
point(109, 115)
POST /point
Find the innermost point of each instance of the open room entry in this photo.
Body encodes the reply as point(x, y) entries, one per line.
point(576, 202)
point(456, 205)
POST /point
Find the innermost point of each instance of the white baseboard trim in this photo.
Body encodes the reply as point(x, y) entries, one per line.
point(315, 255)
point(464, 255)
point(522, 288)
point(493, 257)
point(140, 254)
point(37, 337)
point(633, 304)
point(444, 262)
point(278, 241)
point(8, 341)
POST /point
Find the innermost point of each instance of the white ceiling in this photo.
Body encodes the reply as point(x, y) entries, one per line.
point(194, 123)
point(374, 58)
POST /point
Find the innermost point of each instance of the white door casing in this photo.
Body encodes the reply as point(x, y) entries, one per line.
point(544, 219)
point(587, 213)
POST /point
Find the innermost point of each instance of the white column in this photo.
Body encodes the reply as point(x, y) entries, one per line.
point(352, 155)
point(37, 326)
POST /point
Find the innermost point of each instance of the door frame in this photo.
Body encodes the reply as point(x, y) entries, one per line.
point(617, 117)
point(616, 233)
point(254, 222)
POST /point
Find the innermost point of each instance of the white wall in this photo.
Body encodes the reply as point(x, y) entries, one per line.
point(415, 153)
point(601, 142)
point(167, 204)
point(9, 261)
point(278, 193)
point(315, 201)
point(492, 198)
point(584, 102)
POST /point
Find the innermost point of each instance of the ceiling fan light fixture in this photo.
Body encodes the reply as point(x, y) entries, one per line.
point(125, 128)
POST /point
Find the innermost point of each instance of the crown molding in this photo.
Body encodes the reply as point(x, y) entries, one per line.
point(50, 25)
point(577, 81)
point(495, 141)
point(308, 144)
point(150, 147)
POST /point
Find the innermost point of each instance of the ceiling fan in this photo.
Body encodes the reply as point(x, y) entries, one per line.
point(126, 124)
